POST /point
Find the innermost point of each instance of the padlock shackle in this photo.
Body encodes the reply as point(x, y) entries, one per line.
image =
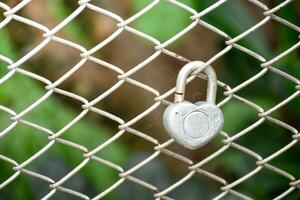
point(184, 74)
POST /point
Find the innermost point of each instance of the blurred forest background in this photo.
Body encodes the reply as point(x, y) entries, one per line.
point(126, 51)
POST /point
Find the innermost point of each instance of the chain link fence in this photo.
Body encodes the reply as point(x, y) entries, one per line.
point(193, 168)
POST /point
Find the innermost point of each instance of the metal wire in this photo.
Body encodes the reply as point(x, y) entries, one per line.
point(124, 25)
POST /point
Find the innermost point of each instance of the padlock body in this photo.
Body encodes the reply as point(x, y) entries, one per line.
point(193, 125)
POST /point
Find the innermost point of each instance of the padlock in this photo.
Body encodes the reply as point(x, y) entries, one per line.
point(194, 125)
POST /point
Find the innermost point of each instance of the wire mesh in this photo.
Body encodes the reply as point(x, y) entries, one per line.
point(124, 25)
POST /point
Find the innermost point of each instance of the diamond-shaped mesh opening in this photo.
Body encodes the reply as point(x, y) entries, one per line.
point(91, 138)
point(79, 28)
point(30, 142)
point(20, 188)
point(85, 180)
point(280, 138)
point(242, 20)
point(247, 116)
point(92, 80)
point(23, 35)
point(274, 183)
point(143, 100)
point(282, 88)
point(121, 8)
point(195, 189)
point(226, 166)
point(52, 59)
point(243, 69)
point(7, 171)
point(164, 12)
point(45, 14)
point(125, 42)
point(20, 91)
point(288, 162)
point(208, 44)
point(151, 74)
point(131, 190)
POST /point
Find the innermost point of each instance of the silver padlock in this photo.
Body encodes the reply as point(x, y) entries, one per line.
point(194, 125)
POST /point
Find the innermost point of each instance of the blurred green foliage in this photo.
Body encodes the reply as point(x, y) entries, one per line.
point(163, 22)
point(55, 115)
point(159, 21)
point(73, 29)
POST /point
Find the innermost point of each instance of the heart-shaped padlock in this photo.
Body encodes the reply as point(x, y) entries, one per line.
point(193, 125)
